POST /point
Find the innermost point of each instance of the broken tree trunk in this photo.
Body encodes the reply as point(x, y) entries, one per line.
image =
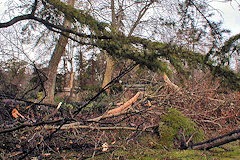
point(216, 142)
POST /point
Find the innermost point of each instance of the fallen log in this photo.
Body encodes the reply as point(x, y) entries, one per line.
point(216, 142)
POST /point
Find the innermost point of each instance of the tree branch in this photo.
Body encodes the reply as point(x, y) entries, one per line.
point(15, 20)
point(77, 125)
point(49, 25)
point(216, 142)
point(34, 7)
point(140, 15)
point(24, 125)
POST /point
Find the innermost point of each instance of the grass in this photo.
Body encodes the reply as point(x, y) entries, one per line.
point(231, 151)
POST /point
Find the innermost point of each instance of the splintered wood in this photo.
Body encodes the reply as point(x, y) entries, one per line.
point(126, 105)
point(169, 83)
point(16, 114)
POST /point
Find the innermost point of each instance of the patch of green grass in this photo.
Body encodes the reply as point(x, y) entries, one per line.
point(217, 154)
point(146, 153)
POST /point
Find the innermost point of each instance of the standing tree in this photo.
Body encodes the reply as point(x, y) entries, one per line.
point(55, 59)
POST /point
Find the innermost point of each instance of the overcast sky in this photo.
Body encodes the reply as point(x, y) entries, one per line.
point(230, 13)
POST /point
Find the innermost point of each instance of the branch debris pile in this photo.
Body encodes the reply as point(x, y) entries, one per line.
point(25, 126)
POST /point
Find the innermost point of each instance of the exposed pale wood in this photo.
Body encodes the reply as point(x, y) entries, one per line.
point(53, 113)
point(169, 83)
point(16, 114)
point(104, 116)
point(125, 106)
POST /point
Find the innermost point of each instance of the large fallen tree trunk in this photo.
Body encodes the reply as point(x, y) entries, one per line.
point(216, 142)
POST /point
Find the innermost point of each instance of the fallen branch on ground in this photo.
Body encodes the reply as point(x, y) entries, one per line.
point(106, 115)
point(125, 106)
point(24, 125)
point(78, 125)
point(216, 142)
point(170, 83)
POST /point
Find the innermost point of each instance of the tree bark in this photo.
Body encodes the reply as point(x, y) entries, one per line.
point(108, 72)
point(54, 61)
point(116, 24)
point(216, 142)
point(110, 62)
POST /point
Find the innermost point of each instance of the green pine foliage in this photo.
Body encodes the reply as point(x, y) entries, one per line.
point(157, 56)
point(76, 15)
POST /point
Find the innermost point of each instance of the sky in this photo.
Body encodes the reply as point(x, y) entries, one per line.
point(230, 14)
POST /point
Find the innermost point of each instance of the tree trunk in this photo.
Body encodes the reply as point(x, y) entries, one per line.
point(80, 71)
point(216, 142)
point(108, 72)
point(71, 86)
point(116, 24)
point(110, 62)
point(237, 65)
point(54, 61)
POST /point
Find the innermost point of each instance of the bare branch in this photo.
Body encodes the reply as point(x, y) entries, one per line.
point(140, 15)
point(24, 125)
point(77, 125)
point(34, 8)
point(15, 20)
point(48, 25)
point(218, 141)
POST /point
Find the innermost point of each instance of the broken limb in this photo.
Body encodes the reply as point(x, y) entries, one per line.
point(169, 83)
point(77, 125)
point(126, 105)
point(216, 142)
point(16, 114)
point(53, 113)
point(106, 115)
